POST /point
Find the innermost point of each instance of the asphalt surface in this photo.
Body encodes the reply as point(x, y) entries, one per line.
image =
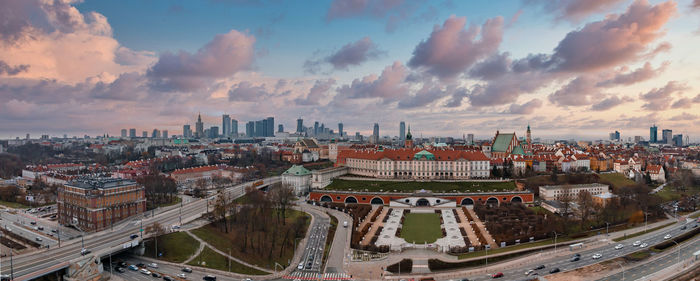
point(36, 264)
point(607, 252)
point(163, 269)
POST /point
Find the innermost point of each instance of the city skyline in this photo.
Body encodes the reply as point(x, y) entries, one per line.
point(447, 68)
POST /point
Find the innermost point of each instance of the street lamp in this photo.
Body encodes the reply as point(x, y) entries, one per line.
point(555, 241)
point(607, 224)
point(623, 268)
point(679, 251)
point(645, 221)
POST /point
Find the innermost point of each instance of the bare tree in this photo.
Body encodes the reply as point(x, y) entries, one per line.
point(282, 195)
point(221, 209)
point(199, 187)
point(585, 206)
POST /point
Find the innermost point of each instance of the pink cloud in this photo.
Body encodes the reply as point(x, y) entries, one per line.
point(451, 49)
point(351, 54)
point(646, 72)
point(225, 55)
point(388, 86)
point(575, 10)
point(526, 108)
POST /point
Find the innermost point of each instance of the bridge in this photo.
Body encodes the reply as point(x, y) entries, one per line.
point(102, 244)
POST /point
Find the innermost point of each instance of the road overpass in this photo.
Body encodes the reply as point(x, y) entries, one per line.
point(44, 262)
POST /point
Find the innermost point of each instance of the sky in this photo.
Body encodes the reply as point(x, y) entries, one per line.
point(569, 69)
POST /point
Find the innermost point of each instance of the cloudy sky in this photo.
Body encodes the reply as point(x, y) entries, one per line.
point(568, 68)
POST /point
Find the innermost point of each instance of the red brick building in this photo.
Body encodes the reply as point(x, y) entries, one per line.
point(385, 198)
point(94, 204)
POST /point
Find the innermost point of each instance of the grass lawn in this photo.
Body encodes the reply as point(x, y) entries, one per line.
point(617, 180)
point(329, 238)
point(670, 193)
point(411, 186)
point(176, 247)
point(642, 232)
point(13, 205)
point(222, 241)
point(210, 259)
point(421, 228)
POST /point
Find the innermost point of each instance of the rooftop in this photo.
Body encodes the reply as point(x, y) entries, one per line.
point(99, 183)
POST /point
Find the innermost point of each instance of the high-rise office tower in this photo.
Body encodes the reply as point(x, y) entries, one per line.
point(340, 129)
point(123, 133)
point(144, 134)
point(300, 125)
point(653, 135)
point(375, 133)
point(678, 140)
point(260, 128)
point(402, 130)
point(226, 125)
point(186, 131)
point(250, 129)
point(199, 127)
point(132, 133)
point(165, 134)
point(470, 139)
point(155, 134)
point(667, 135)
point(214, 132)
point(280, 128)
point(316, 128)
point(270, 129)
point(234, 128)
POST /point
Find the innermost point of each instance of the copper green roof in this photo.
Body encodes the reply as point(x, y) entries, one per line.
point(518, 150)
point(500, 144)
point(297, 170)
point(424, 154)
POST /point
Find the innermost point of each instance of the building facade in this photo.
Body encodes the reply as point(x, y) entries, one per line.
point(416, 164)
point(297, 177)
point(557, 192)
point(96, 203)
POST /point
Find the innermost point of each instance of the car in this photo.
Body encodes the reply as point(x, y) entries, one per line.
point(33, 223)
point(554, 270)
point(182, 276)
point(155, 274)
point(187, 269)
point(541, 266)
point(695, 225)
point(668, 236)
point(145, 271)
point(300, 266)
point(42, 228)
point(683, 227)
point(38, 239)
point(597, 256)
point(120, 269)
point(168, 278)
point(529, 272)
point(497, 275)
point(133, 236)
point(209, 278)
point(575, 258)
point(122, 264)
point(153, 265)
point(140, 264)
point(637, 243)
point(643, 245)
point(84, 251)
point(133, 267)
point(619, 246)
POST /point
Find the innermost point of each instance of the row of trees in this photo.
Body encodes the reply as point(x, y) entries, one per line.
point(159, 189)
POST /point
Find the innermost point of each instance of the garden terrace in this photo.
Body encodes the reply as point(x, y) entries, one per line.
point(412, 186)
point(509, 222)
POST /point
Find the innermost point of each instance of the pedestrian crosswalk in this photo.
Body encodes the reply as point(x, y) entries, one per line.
point(317, 276)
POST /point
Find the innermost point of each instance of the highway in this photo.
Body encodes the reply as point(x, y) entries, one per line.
point(608, 252)
point(36, 264)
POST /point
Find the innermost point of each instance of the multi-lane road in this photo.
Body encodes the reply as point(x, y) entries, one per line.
point(35, 264)
point(565, 263)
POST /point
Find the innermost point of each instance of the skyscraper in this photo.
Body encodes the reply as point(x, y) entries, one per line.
point(678, 140)
point(186, 131)
point(144, 134)
point(226, 125)
point(165, 134)
point(123, 133)
point(280, 128)
point(234, 128)
point(402, 130)
point(132, 133)
point(199, 127)
point(653, 136)
point(315, 128)
point(155, 134)
point(260, 128)
point(250, 129)
point(375, 133)
point(340, 129)
point(270, 129)
point(300, 125)
point(667, 135)
point(470, 139)
point(214, 132)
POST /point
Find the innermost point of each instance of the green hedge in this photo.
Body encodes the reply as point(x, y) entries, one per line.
point(406, 265)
